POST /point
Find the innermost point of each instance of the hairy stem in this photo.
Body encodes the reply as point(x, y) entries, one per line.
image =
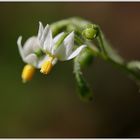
point(103, 49)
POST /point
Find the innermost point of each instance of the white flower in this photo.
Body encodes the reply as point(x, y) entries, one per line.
point(60, 47)
point(31, 54)
point(29, 51)
point(66, 49)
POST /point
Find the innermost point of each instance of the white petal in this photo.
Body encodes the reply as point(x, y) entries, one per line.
point(69, 43)
point(65, 49)
point(54, 61)
point(31, 45)
point(20, 47)
point(47, 39)
point(40, 30)
point(60, 52)
point(76, 52)
point(31, 59)
point(57, 37)
point(44, 33)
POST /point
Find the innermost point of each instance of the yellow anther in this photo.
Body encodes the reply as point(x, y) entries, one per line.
point(27, 73)
point(47, 66)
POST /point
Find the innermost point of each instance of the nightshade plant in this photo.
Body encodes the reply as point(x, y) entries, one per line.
point(73, 38)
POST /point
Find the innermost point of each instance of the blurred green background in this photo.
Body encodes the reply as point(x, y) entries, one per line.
point(49, 106)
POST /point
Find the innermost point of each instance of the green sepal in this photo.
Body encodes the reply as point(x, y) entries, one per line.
point(39, 53)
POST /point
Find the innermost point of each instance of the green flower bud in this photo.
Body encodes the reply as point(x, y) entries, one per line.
point(85, 58)
point(89, 33)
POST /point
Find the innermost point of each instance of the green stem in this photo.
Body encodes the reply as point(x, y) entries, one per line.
point(104, 49)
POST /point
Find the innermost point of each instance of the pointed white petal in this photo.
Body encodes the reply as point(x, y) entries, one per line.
point(40, 30)
point(76, 52)
point(69, 43)
point(20, 47)
point(44, 33)
point(47, 39)
point(31, 45)
point(60, 52)
point(65, 49)
point(57, 37)
point(61, 48)
point(36, 44)
point(31, 59)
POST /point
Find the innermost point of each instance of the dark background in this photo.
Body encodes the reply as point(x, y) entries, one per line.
point(48, 106)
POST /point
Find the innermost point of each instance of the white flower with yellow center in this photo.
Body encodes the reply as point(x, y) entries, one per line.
point(32, 55)
point(60, 47)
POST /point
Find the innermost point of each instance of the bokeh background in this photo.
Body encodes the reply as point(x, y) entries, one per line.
point(49, 106)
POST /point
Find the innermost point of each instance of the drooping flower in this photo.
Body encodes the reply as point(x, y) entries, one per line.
point(60, 47)
point(32, 55)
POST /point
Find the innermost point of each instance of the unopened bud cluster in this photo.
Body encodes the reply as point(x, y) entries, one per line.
point(90, 32)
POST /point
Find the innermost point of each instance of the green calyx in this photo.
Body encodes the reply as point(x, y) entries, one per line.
point(39, 53)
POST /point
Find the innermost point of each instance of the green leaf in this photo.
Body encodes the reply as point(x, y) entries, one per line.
point(85, 93)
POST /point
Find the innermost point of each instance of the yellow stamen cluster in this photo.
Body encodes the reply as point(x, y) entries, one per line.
point(27, 73)
point(47, 66)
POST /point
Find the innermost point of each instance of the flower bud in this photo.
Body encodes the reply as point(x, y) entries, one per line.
point(89, 33)
point(85, 58)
